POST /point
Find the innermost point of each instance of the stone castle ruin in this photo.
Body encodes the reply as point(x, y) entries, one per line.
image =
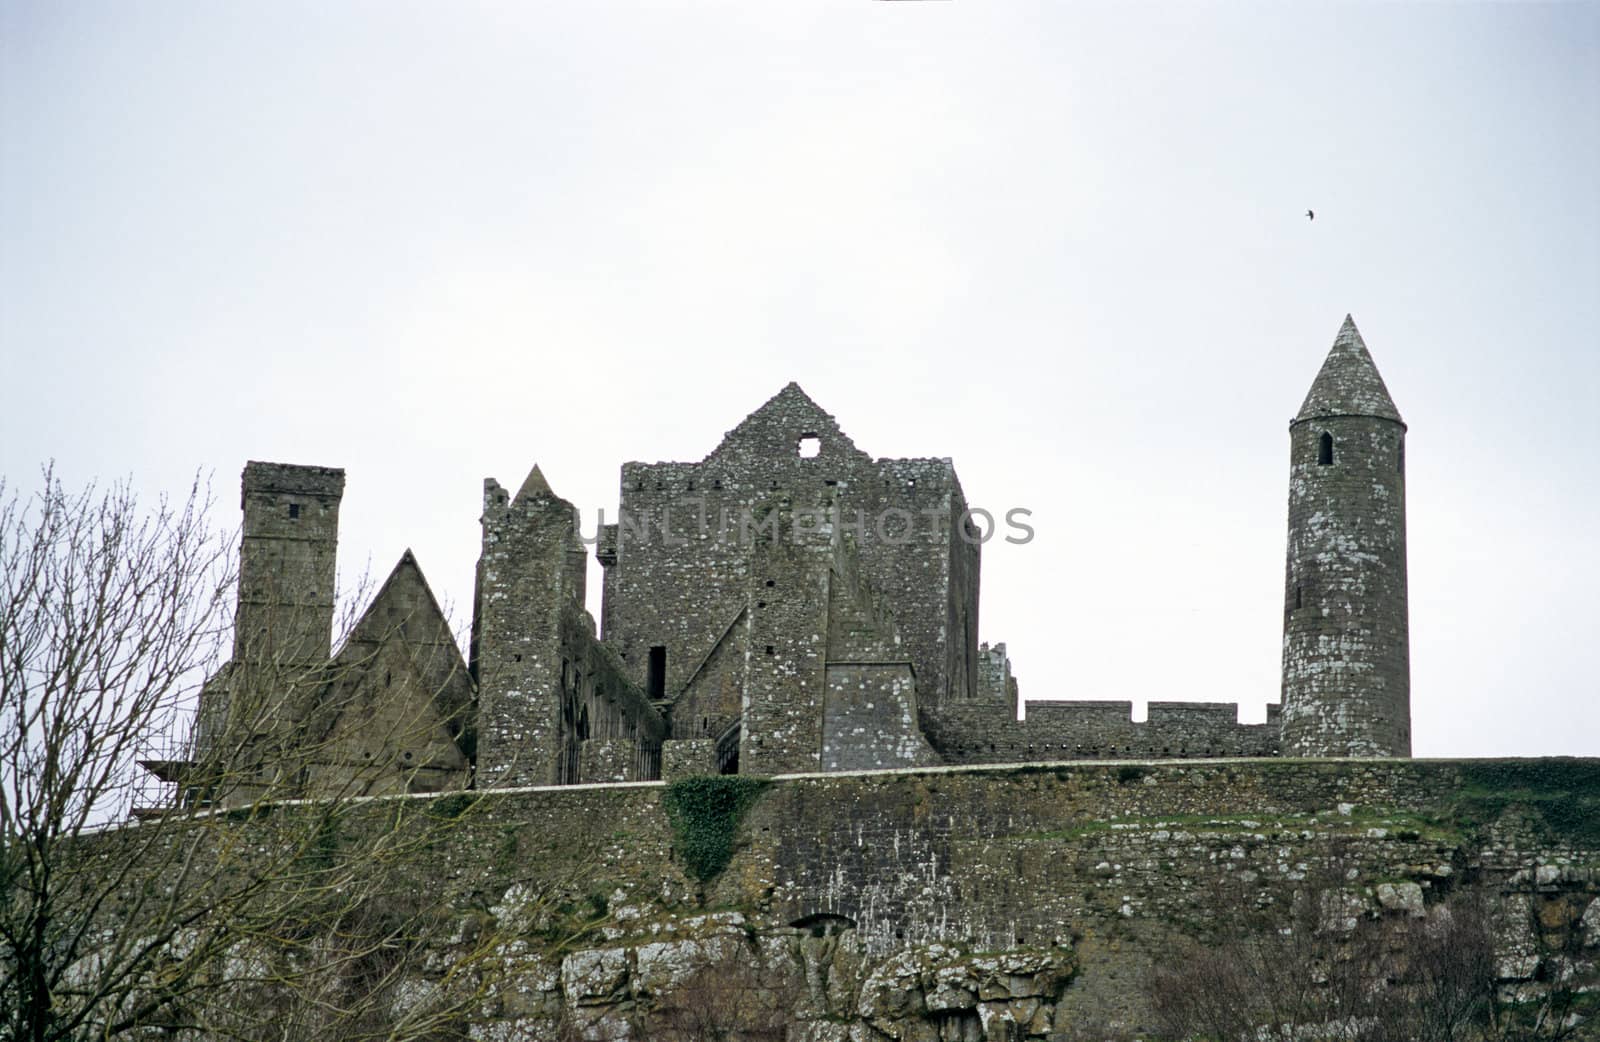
point(904, 857)
point(787, 604)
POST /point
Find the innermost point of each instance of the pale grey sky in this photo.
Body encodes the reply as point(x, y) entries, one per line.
point(1063, 244)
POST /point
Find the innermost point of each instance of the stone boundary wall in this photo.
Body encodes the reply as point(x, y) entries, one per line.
point(1096, 730)
point(1074, 876)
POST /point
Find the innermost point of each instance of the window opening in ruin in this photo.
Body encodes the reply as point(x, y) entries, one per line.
point(1400, 459)
point(294, 511)
point(810, 445)
point(1299, 602)
point(728, 748)
point(656, 673)
point(771, 650)
point(1325, 449)
point(772, 582)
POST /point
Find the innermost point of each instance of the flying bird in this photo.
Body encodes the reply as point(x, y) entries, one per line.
point(1311, 215)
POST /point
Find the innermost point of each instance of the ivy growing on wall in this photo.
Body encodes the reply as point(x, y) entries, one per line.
point(705, 812)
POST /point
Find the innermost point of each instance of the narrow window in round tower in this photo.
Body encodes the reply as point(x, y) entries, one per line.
point(1325, 449)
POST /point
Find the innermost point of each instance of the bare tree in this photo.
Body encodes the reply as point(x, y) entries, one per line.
point(108, 618)
point(733, 996)
point(252, 885)
point(1322, 967)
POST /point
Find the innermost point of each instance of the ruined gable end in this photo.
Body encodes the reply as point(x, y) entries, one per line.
point(396, 712)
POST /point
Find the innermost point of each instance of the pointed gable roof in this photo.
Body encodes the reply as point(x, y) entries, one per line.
point(775, 429)
point(1349, 383)
point(404, 612)
point(532, 485)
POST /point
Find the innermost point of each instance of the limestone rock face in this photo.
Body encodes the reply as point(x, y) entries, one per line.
point(1402, 897)
point(1591, 925)
point(939, 991)
point(592, 977)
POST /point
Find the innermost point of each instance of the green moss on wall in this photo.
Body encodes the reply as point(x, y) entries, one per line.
point(705, 812)
point(1563, 793)
point(452, 805)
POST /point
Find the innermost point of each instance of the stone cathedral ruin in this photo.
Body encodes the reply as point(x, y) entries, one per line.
point(787, 604)
point(791, 627)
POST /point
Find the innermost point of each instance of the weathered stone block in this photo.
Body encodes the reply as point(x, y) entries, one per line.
point(594, 976)
point(683, 757)
point(609, 760)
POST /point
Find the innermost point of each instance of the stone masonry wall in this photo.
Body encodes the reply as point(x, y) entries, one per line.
point(609, 731)
point(1096, 730)
point(870, 718)
point(1346, 666)
point(1346, 658)
point(679, 558)
point(530, 576)
point(286, 564)
point(1019, 902)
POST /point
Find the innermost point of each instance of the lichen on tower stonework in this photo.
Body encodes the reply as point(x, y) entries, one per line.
point(1346, 657)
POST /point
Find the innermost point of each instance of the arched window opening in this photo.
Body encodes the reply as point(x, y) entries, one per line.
point(1325, 450)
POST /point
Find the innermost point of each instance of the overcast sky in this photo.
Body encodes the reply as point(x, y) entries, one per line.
point(1063, 244)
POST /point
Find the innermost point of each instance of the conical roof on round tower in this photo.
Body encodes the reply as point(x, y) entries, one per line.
point(1349, 383)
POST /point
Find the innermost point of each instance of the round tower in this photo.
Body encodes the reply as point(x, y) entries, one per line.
point(1346, 649)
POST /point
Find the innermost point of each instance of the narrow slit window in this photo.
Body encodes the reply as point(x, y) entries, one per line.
point(1299, 601)
point(294, 511)
point(1325, 450)
point(1400, 459)
point(657, 673)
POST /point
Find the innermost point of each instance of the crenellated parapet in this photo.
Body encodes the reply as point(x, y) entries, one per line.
point(1097, 730)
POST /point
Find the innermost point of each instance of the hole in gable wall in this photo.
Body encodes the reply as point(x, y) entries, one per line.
point(809, 446)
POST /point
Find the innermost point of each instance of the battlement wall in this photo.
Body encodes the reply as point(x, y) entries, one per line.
point(1096, 730)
